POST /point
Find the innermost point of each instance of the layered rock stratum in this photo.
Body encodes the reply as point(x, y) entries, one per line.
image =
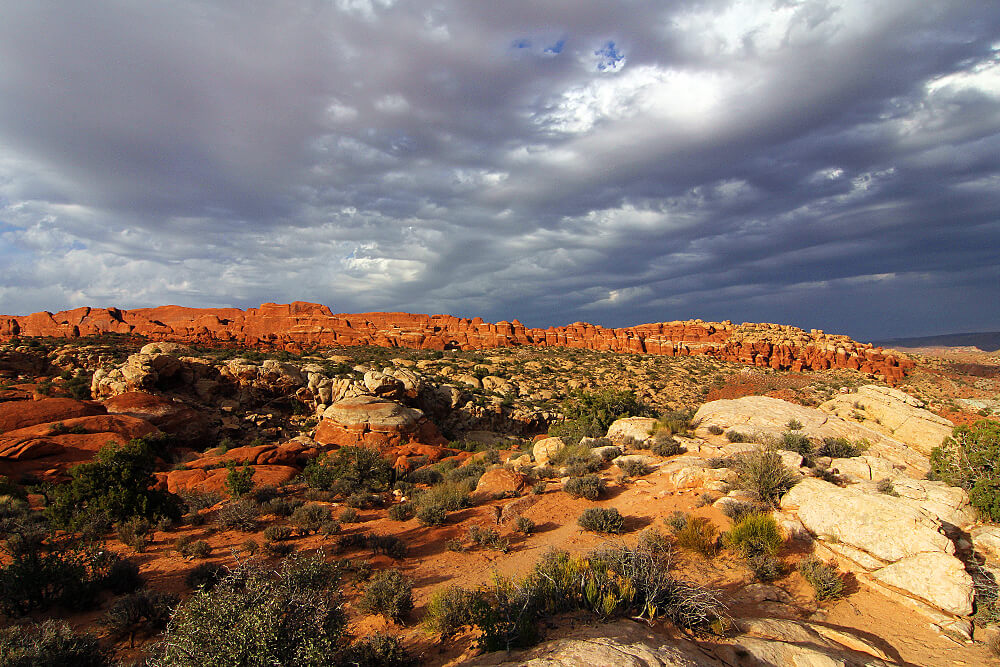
point(301, 325)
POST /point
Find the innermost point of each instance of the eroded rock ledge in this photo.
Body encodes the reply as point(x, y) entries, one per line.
point(299, 325)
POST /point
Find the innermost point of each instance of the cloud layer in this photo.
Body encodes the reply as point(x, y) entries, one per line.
point(828, 163)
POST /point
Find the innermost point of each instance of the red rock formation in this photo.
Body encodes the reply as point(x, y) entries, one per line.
point(300, 325)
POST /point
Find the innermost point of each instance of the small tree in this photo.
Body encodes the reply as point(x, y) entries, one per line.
point(239, 481)
point(970, 459)
point(118, 484)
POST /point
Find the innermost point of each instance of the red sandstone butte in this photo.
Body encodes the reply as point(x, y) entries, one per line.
point(299, 325)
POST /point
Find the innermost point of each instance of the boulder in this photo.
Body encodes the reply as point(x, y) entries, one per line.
point(874, 522)
point(21, 414)
point(375, 422)
point(935, 577)
point(170, 416)
point(631, 429)
point(214, 481)
point(499, 482)
point(546, 448)
point(893, 413)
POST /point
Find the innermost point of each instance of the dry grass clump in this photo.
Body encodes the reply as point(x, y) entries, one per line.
point(823, 577)
point(762, 473)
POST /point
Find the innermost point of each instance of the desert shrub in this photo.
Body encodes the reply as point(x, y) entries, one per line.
point(265, 494)
point(277, 533)
point(204, 575)
point(666, 446)
point(588, 486)
point(249, 547)
point(634, 467)
point(793, 425)
point(377, 650)
point(363, 501)
point(349, 515)
point(733, 435)
point(239, 515)
point(673, 422)
point(402, 511)
point(715, 430)
point(278, 549)
point(239, 481)
point(134, 532)
point(823, 577)
point(146, 611)
point(970, 459)
point(390, 545)
point(352, 469)
point(449, 610)
point(44, 569)
point(841, 448)
point(677, 520)
point(122, 576)
point(470, 472)
point(755, 535)
point(431, 515)
point(388, 593)
point(50, 643)
point(280, 507)
point(310, 518)
point(117, 484)
point(319, 495)
point(489, 538)
point(426, 475)
point(765, 567)
point(259, 616)
point(602, 520)
point(656, 543)
point(762, 473)
point(505, 614)
point(198, 549)
point(798, 443)
point(738, 509)
point(589, 414)
point(11, 489)
point(524, 525)
point(198, 500)
point(698, 534)
point(449, 495)
point(546, 472)
point(885, 486)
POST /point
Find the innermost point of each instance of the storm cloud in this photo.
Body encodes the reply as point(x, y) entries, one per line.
point(830, 163)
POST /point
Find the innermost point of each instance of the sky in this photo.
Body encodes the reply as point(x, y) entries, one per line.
point(829, 164)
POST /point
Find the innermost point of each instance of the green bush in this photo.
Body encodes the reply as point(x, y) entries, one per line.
point(134, 533)
point(589, 414)
point(377, 650)
point(755, 534)
point(238, 515)
point(50, 644)
point(673, 422)
point(733, 435)
point(259, 616)
point(842, 448)
point(451, 496)
point(310, 518)
point(431, 515)
point(145, 611)
point(666, 445)
point(277, 533)
point(762, 473)
point(634, 467)
point(489, 538)
point(351, 469)
point(698, 534)
point(715, 430)
point(524, 525)
point(798, 443)
point(970, 459)
point(602, 520)
point(239, 481)
point(402, 511)
point(205, 575)
point(349, 515)
point(449, 610)
point(823, 577)
point(388, 593)
point(117, 484)
point(588, 486)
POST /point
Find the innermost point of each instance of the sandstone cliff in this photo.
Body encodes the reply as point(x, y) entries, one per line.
point(300, 325)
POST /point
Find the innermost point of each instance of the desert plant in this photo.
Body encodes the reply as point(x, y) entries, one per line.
point(199, 500)
point(489, 538)
point(402, 511)
point(117, 484)
point(449, 495)
point(762, 473)
point(388, 593)
point(377, 650)
point(122, 576)
point(147, 611)
point(259, 616)
point(733, 435)
point(715, 430)
point(589, 414)
point(277, 533)
point(588, 486)
point(431, 515)
point(633, 467)
point(754, 534)
point(205, 575)
point(794, 425)
point(352, 469)
point(841, 448)
point(823, 577)
point(50, 643)
point(278, 549)
point(310, 518)
point(666, 446)
point(798, 443)
point(134, 532)
point(239, 481)
point(970, 459)
point(349, 515)
point(885, 486)
point(238, 514)
point(698, 534)
point(677, 520)
point(449, 610)
point(602, 520)
point(524, 525)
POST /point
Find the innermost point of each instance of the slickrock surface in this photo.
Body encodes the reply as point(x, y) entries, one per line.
point(299, 324)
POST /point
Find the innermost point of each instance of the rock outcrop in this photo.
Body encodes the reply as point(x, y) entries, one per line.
point(300, 325)
point(375, 422)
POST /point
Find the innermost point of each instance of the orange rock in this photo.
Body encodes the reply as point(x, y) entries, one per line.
point(168, 415)
point(20, 414)
point(214, 481)
point(499, 482)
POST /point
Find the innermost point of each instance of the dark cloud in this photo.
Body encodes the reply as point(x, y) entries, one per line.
point(830, 164)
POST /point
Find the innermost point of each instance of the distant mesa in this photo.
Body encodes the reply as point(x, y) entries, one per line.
point(987, 341)
point(299, 326)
